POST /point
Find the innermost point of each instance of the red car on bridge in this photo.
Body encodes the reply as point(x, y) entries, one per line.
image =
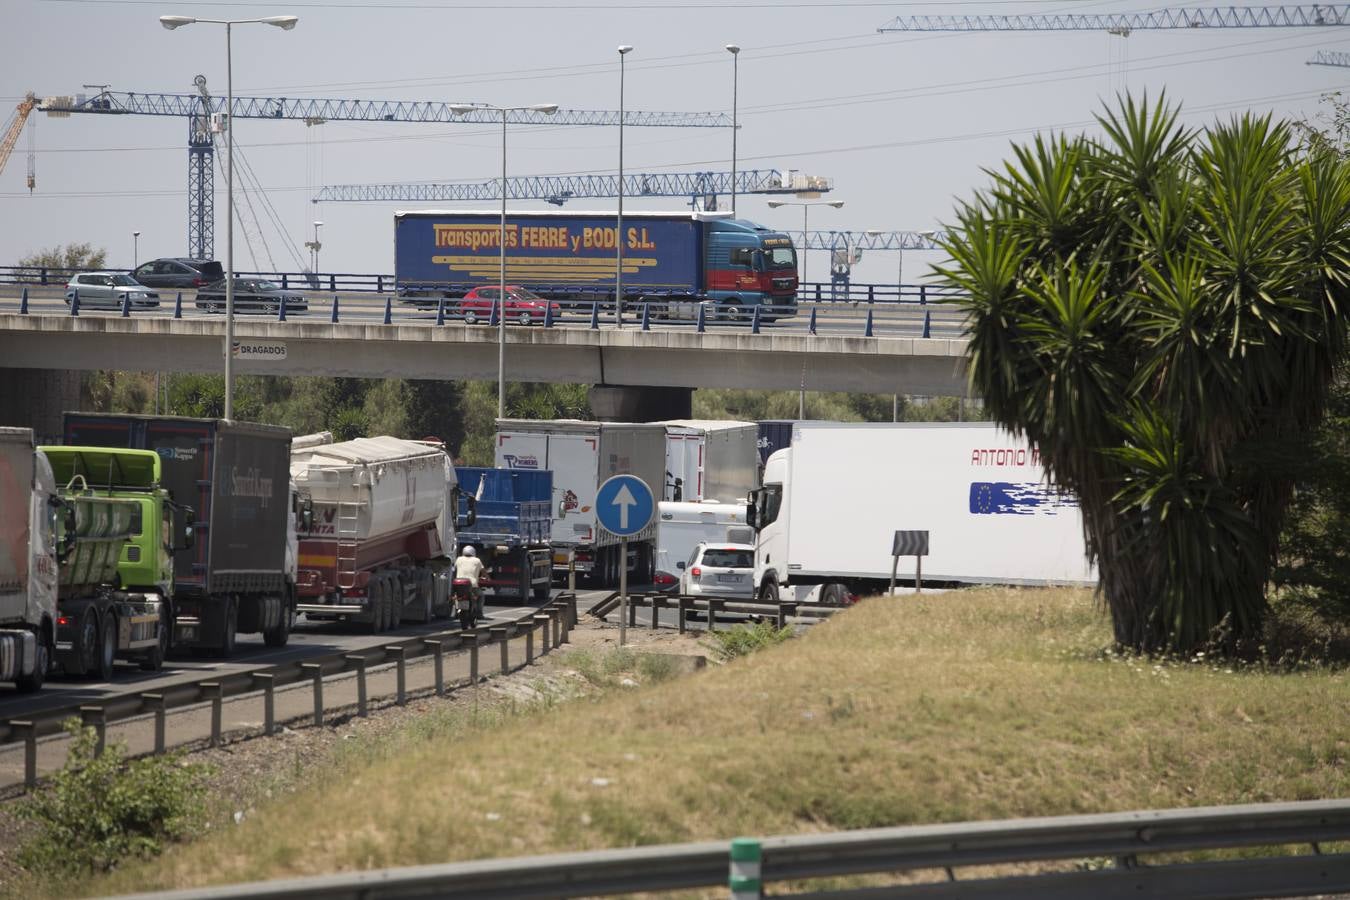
point(522, 305)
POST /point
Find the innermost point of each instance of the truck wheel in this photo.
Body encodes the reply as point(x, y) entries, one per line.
point(29, 684)
point(230, 632)
point(277, 637)
point(107, 648)
point(769, 592)
point(394, 590)
point(832, 595)
point(83, 657)
point(375, 601)
point(153, 660)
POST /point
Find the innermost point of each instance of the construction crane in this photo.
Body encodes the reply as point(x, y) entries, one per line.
point(700, 187)
point(1300, 16)
point(1330, 58)
point(203, 112)
point(13, 128)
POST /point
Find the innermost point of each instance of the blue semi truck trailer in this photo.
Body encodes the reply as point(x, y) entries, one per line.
point(511, 529)
point(671, 260)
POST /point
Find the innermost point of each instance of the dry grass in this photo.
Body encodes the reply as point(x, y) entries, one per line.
point(977, 705)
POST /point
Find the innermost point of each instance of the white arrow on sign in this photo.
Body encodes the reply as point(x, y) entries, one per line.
point(624, 499)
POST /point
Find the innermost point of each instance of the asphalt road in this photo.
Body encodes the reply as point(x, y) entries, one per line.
point(309, 639)
point(838, 319)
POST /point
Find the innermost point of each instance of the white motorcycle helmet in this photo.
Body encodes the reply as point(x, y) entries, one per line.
point(468, 551)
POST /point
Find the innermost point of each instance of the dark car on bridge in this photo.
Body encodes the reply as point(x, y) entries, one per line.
point(251, 295)
point(178, 272)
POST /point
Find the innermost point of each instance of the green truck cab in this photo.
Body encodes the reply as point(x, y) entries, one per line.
point(134, 621)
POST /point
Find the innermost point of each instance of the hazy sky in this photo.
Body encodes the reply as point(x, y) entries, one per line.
point(903, 123)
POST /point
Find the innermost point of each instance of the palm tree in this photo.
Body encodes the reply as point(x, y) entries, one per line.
point(1161, 312)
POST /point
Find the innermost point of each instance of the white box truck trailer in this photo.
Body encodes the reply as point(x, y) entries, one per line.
point(582, 455)
point(832, 501)
point(710, 460)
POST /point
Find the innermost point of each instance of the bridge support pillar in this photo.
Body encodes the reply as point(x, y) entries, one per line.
point(625, 403)
point(36, 398)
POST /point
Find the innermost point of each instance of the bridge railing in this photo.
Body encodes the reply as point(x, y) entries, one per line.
point(920, 315)
point(376, 283)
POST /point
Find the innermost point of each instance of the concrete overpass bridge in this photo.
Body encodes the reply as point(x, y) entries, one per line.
point(642, 373)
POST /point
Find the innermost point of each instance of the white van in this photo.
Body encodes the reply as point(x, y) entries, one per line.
point(680, 527)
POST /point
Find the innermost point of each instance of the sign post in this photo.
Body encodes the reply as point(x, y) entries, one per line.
point(625, 506)
point(909, 543)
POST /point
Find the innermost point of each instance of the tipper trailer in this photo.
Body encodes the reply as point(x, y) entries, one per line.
point(513, 523)
point(832, 500)
point(376, 541)
point(582, 456)
point(59, 553)
point(235, 577)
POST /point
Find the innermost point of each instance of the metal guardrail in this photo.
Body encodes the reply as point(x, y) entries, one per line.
point(684, 604)
point(1126, 838)
point(215, 687)
point(377, 283)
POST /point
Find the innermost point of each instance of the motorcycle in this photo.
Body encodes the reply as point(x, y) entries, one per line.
point(467, 608)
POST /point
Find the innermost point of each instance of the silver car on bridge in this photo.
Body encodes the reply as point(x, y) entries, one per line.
point(108, 290)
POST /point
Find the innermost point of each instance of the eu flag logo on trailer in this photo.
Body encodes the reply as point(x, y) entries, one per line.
point(1005, 498)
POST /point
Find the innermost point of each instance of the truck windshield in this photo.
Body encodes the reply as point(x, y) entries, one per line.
point(777, 258)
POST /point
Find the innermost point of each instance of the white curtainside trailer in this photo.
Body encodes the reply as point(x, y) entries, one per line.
point(710, 460)
point(582, 455)
point(831, 502)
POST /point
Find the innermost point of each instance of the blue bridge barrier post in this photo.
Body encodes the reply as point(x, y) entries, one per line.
point(281, 310)
point(334, 317)
point(23, 302)
point(494, 319)
point(548, 314)
point(927, 323)
point(646, 317)
point(811, 328)
point(440, 311)
point(702, 318)
point(75, 303)
point(595, 315)
point(388, 310)
point(754, 322)
point(867, 332)
point(126, 305)
point(178, 306)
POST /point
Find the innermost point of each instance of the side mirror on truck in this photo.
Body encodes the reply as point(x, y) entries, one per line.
point(66, 544)
point(307, 515)
point(470, 511)
point(752, 511)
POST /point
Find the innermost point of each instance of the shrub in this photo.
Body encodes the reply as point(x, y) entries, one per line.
point(744, 639)
point(100, 809)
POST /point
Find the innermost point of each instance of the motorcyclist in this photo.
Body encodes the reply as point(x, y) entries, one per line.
point(470, 568)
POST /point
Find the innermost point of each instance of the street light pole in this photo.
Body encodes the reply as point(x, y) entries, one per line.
point(286, 23)
point(735, 51)
point(460, 109)
point(624, 50)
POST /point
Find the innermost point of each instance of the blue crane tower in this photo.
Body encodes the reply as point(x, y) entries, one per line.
point(1300, 16)
point(207, 116)
point(700, 187)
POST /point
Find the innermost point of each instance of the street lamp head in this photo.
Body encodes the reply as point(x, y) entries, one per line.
point(774, 204)
point(872, 232)
point(733, 49)
point(285, 23)
point(135, 234)
point(317, 224)
point(625, 48)
point(460, 109)
point(835, 203)
point(928, 234)
point(172, 22)
point(545, 108)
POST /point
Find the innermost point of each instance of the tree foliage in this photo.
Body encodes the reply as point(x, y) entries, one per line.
point(1161, 311)
point(67, 258)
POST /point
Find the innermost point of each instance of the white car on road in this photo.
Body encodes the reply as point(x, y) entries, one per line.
point(719, 569)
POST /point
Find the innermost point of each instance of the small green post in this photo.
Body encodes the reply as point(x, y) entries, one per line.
point(743, 878)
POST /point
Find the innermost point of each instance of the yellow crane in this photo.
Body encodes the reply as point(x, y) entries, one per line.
point(13, 128)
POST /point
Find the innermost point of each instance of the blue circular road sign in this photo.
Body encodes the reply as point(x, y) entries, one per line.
point(624, 505)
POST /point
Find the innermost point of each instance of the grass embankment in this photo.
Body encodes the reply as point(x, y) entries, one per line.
point(975, 705)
